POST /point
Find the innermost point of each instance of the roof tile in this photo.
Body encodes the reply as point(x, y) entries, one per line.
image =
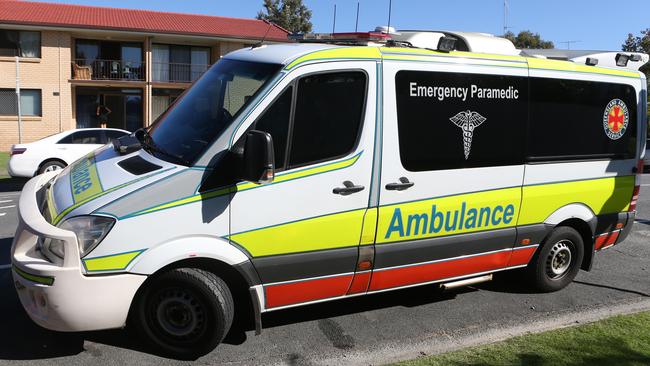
point(79, 16)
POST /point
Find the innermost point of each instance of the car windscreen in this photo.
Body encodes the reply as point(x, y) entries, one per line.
point(199, 116)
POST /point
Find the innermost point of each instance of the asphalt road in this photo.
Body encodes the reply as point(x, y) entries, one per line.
point(367, 330)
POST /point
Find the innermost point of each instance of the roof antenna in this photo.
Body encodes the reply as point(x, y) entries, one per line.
point(334, 24)
point(261, 43)
point(356, 25)
point(390, 9)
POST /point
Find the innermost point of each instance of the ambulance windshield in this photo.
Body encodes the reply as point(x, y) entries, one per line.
point(199, 116)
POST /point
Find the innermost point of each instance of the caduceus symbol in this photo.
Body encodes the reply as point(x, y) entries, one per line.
point(467, 121)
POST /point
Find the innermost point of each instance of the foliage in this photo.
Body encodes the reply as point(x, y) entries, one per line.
point(527, 39)
point(291, 15)
point(4, 160)
point(639, 43)
point(621, 340)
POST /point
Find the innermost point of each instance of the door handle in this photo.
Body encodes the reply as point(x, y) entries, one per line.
point(402, 185)
point(348, 189)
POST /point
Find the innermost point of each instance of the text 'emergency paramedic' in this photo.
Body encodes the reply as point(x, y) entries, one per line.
point(474, 91)
point(438, 221)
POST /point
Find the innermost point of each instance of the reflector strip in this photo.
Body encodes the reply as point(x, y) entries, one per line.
point(606, 240)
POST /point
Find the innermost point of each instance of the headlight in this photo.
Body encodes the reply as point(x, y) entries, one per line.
point(90, 231)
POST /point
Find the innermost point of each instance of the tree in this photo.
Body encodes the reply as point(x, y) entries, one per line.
point(639, 43)
point(528, 39)
point(291, 15)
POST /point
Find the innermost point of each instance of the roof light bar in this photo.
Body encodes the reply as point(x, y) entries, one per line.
point(348, 37)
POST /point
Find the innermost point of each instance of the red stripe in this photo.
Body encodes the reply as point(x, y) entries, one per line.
point(521, 257)
point(304, 291)
point(360, 283)
point(606, 240)
point(404, 276)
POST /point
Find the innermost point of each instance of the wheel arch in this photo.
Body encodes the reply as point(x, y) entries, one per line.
point(47, 161)
point(581, 218)
point(217, 256)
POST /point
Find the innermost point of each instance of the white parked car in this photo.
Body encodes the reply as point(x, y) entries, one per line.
point(58, 151)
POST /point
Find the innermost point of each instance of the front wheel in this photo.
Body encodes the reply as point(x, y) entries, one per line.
point(184, 313)
point(558, 261)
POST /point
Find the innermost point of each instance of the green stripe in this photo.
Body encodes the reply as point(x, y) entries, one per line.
point(245, 186)
point(43, 280)
point(100, 194)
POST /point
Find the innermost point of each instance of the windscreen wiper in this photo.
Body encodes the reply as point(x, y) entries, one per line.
point(148, 143)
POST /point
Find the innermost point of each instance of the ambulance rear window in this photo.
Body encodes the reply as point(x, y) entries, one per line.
point(575, 119)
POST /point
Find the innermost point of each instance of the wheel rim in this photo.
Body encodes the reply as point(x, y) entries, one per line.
point(559, 259)
point(52, 168)
point(179, 314)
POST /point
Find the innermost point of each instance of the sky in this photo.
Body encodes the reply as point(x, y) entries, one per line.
point(594, 24)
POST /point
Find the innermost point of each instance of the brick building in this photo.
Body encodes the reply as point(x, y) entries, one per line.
point(73, 59)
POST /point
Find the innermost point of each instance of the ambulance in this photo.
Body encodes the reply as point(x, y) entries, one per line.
point(338, 166)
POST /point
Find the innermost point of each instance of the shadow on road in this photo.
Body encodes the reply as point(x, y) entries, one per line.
point(12, 184)
point(21, 339)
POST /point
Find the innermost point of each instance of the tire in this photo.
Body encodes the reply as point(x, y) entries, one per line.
point(184, 313)
point(50, 166)
point(558, 260)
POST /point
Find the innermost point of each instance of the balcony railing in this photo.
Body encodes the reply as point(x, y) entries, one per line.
point(171, 72)
point(85, 69)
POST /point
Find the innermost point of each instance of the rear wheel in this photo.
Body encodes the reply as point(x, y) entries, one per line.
point(185, 313)
point(557, 262)
point(51, 166)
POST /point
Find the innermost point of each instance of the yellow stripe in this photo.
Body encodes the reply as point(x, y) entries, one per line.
point(602, 196)
point(556, 65)
point(84, 179)
point(341, 53)
point(325, 232)
point(369, 226)
point(304, 173)
point(419, 220)
point(51, 204)
point(111, 263)
point(409, 53)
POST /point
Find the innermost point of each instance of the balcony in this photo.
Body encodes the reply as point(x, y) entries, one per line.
point(95, 69)
point(173, 72)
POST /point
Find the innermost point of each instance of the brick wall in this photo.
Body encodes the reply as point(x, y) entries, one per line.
point(50, 73)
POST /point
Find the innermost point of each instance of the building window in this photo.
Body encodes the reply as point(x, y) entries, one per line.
point(161, 99)
point(174, 63)
point(20, 43)
point(30, 102)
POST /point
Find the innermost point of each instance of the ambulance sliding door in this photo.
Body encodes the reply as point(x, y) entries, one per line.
point(452, 169)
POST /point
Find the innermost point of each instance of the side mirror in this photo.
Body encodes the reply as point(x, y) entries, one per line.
point(258, 161)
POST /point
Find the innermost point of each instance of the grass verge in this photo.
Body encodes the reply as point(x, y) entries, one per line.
point(4, 159)
point(620, 340)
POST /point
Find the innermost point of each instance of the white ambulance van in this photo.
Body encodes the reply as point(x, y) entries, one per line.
point(336, 167)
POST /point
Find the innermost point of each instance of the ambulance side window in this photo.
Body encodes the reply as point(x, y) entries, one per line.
point(328, 114)
point(578, 119)
point(275, 121)
point(455, 120)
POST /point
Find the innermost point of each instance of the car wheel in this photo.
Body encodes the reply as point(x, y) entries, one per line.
point(185, 313)
point(51, 166)
point(558, 261)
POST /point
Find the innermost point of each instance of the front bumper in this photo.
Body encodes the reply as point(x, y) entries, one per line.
point(61, 297)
